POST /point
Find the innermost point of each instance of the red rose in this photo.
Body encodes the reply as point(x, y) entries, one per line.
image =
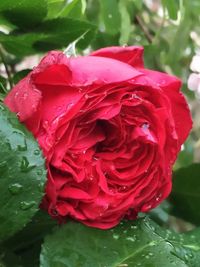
point(110, 131)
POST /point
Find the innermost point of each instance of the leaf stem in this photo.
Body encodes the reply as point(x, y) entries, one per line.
point(144, 29)
point(6, 67)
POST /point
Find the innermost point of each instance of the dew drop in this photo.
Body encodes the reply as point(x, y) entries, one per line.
point(186, 257)
point(3, 164)
point(70, 105)
point(133, 227)
point(16, 94)
point(130, 238)
point(145, 126)
point(41, 187)
point(18, 141)
point(25, 205)
point(91, 178)
point(74, 156)
point(45, 124)
point(95, 158)
point(36, 152)
point(134, 96)
point(15, 188)
point(112, 167)
point(39, 172)
point(116, 236)
point(25, 166)
point(25, 95)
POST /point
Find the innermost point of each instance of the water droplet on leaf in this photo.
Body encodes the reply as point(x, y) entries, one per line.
point(36, 152)
point(15, 188)
point(25, 205)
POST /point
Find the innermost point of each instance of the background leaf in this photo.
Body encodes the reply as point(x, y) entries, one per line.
point(51, 34)
point(23, 13)
point(185, 195)
point(110, 16)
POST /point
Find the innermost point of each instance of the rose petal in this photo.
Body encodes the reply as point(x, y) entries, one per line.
point(180, 110)
point(132, 55)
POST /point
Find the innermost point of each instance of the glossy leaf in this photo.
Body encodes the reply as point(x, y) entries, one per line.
point(172, 7)
point(54, 8)
point(125, 23)
point(24, 13)
point(20, 75)
point(3, 83)
point(22, 174)
point(25, 245)
point(52, 34)
point(111, 16)
point(74, 9)
point(185, 195)
point(135, 243)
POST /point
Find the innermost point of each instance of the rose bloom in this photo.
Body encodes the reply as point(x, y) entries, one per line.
point(110, 131)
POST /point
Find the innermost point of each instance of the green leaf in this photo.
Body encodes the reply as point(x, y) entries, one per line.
point(138, 4)
point(185, 195)
point(111, 16)
point(185, 246)
point(137, 243)
point(51, 34)
point(54, 8)
point(34, 231)
point(172, 7)
point(74, 9)
point(126, 26)
point(3, 81)
point(20, 75)
point(22, 175)
point(186, 155)
point(25, 245)
point(24, 13)
point(3, 84)
point(161, 213)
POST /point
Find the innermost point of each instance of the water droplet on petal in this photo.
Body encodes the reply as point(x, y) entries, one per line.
point(74, 156)
point(70, 105)
point(145, 126)
point(135, 96)
point(91, 178)
point(16, 94)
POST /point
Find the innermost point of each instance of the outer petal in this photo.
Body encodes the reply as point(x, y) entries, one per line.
point(180, 110)
point(82, 71)
point(23, 99)
point(99, 70)
point(132, 55)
